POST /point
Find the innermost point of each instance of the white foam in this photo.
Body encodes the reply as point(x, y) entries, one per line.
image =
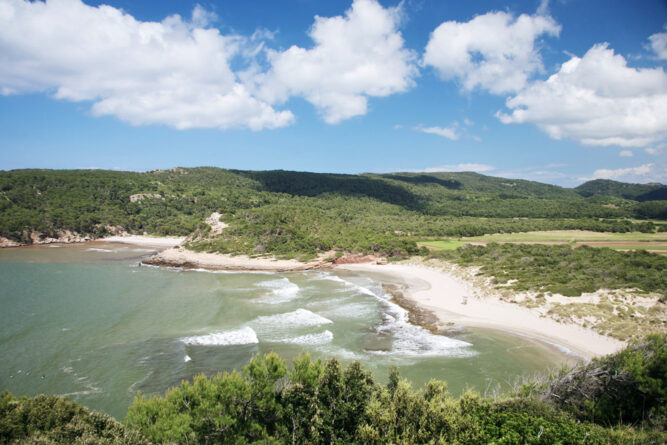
point(351, 310)
point(209, 271)
point(298, 318)
point(230, 272)
point(243, 336)
point(333, 278)
point(350, 286)
point(187, 358)
point(310, 339)
point(281, 290)
point(413, 341)
point(95, 249)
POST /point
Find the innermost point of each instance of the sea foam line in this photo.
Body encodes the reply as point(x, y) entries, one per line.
point(309, 339)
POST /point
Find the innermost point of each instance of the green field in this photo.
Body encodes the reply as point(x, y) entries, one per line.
point(441, 244)
point(567, 236)
point(634, 240)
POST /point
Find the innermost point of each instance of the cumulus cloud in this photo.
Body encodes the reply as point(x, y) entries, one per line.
point(597, 100)
point(355, 56)
point(175, 72)
point(494, 51)
point(659, 44)
point(626, 154)
point(446, 132)
point(459, 168)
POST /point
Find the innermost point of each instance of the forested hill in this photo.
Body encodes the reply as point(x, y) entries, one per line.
point(288, 212)
point(636, 192)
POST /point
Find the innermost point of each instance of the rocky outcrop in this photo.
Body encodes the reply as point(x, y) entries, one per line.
point(140, 196)
point(63, 236)
point(357, 259)
point(186, 259)
point(6, 242)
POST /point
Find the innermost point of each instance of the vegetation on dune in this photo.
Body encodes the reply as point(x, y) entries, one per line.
point(297, 214)
point(561, 269)
point(617, 399)
point(629, 387)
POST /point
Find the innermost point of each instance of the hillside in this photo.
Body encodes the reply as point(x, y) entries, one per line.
point(297, 213)
point(636, 192)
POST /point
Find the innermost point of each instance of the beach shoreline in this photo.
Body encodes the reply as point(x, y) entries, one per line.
point(459, 303)
point(74, 238)
point(144, 241)
point(437, 299)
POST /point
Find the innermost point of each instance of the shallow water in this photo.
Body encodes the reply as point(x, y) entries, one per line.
point(86, 321)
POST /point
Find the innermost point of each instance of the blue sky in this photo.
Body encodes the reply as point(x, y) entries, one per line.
point(558, 92)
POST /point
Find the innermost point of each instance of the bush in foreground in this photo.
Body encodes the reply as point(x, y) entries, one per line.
point(55, 420)
point(322, 402)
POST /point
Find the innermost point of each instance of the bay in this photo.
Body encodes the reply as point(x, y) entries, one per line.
point(87, 321)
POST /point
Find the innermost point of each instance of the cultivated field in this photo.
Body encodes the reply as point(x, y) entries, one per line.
point(652, 242)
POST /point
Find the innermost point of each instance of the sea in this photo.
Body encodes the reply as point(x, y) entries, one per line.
point(89, 322)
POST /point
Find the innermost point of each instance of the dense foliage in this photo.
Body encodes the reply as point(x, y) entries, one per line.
point(296, 214)
point(322, 402)
point(616, 399)
point(55, 420)
point(562, 269)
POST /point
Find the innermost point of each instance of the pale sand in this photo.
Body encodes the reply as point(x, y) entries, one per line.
point(444, 294)
point(181, 257)
point(150, 241)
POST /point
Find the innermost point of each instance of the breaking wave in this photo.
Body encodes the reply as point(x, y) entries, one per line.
point(279, 291)
point(309, 339)
point(243, 336)
point(298, 318)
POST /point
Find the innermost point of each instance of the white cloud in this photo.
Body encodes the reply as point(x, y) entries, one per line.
point(641, 174)
point(494, 51)
point(468, 122)
point(659, 44)
point(596, 100)
point(626, 153)
point(174, 72)
point(655, 151)
point(355, 56)
point(446, 132)
point(201, 17)
point(459, 168)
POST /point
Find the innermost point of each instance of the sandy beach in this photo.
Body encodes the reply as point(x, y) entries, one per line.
point(456, 301)
point(147, 241)
point(187, 259)
point(453, 300)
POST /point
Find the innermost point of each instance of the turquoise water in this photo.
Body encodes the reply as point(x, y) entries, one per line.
point(88, 322)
